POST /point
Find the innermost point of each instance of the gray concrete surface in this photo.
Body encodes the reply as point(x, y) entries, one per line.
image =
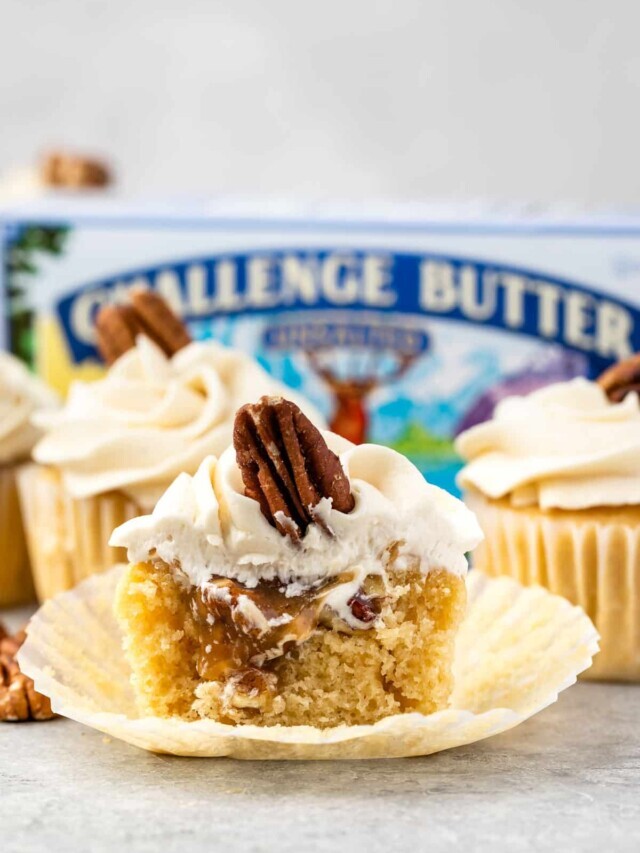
point(569, 779)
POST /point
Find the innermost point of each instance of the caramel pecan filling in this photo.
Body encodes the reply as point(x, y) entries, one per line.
point(242, 630)
point(242, 627)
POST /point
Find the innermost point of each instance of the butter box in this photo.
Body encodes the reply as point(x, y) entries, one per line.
point(404, 325)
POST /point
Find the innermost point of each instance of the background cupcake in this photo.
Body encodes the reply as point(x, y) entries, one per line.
point(555, 481)
point(116, 445)
point(21, 395)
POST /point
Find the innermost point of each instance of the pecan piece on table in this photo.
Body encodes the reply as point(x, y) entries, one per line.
point(621, 378)
point(117, 326)
point(19, 700)
point(286, 465)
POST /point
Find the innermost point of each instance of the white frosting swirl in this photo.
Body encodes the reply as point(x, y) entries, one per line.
point(21, 394)
point(152, 418)
point(207, 526)
point(565, 447)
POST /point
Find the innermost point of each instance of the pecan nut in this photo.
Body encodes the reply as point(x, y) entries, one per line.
point(10, 643)
point(621, 378)
point(364, 608)
point(287, 467)
point(118, 326)
point(66, 169)
point(19, 700)
point(159, 322)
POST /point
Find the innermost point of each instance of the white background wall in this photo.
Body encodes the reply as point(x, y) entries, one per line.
point(534, 99)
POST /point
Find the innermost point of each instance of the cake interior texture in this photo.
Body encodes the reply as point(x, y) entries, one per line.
point(338, 675)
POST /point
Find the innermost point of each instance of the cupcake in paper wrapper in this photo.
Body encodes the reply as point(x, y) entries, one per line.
point(16, 585)
point(591, 557)
point(68, 537)
point(259, 584)
point(516, 650)
point(112, 450)
point(21, 395)
point(554, 479)
point(302, 597)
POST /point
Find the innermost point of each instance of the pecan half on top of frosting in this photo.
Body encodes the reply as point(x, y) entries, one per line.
point(621, 378)
point(118, 326)
point(287, 466)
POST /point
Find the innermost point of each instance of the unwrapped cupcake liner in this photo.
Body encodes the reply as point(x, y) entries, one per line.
point(16, 586)
point(68, 537)
point(592, 558)
point(516, 650)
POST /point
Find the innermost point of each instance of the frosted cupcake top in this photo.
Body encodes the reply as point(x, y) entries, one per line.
point(151, 418)
point(21, 394)
point(207, 526)
point(565, 446)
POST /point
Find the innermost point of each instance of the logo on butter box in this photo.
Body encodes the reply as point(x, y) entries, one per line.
point(516, 300)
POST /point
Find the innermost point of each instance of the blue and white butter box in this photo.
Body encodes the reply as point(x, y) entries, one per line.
point(404, 325)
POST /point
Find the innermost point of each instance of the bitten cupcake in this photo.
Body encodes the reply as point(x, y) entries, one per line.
point(112, 450)
point(296, 580)
point(554, 479)
point(21, 395)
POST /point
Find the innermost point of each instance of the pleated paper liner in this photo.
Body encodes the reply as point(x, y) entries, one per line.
point(16, 585)
point(68, 538)
point(517, 649)
point(591, 557)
